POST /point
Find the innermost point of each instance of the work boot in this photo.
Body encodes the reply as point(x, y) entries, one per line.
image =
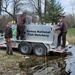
point(22, 39)
point(11, 53)
point(17, 38)
point(63, 47)
point(57, 46)
point(7, 53)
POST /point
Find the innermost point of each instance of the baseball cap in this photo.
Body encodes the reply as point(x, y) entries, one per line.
point(61, 16)
point(24, 12)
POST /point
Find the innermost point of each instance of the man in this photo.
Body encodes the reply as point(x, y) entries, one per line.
point(8, 36)
point(63, 32)
point(20, 26)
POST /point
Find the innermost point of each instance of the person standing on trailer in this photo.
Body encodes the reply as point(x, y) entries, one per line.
point(21, 26)
point(8, 36)
point(63, 32)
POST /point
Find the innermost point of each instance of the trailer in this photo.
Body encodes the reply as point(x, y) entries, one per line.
point(39, 38)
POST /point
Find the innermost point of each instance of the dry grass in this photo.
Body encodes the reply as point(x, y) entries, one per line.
point(8, 64)
point(71, 40)
point(71, 36)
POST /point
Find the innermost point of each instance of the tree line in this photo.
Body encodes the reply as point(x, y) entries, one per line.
point(47, 10)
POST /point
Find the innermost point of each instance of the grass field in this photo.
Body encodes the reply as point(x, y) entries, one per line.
point(71, 35)
point(71, 32)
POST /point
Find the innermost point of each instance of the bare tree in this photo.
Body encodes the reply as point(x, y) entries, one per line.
point(45, 8)
point(37, 7)
point(70, 20)
point(72, 3)
point(16, 4)
point(0, 6)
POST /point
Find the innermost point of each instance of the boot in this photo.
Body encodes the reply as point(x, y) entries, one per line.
point(7, 52)
point(11, 53)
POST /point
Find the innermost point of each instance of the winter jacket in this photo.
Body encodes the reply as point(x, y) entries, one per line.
point(8, 32)
point(62, 26)
point(21, 20)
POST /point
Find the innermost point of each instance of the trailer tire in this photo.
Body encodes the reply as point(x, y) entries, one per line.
point(25, 48)
point(40, 50)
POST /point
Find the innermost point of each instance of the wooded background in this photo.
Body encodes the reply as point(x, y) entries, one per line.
point(38, 11)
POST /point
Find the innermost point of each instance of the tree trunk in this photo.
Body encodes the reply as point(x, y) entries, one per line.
point(39, 10)
point(0, 6)
point(45, 10)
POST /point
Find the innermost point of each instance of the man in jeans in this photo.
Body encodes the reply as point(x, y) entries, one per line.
point(8, 36)
point(21, 26)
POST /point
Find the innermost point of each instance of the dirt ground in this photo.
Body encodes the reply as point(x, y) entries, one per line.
point(9, 63)
point(18, 64)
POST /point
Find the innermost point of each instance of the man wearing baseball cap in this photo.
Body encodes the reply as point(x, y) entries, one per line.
point(63, 31)
point(21, 26)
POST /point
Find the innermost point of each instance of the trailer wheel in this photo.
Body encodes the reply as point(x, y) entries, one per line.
point(40, 50)
point(25, 48)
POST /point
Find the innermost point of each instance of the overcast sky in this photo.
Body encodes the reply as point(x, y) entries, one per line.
point(68, 4)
